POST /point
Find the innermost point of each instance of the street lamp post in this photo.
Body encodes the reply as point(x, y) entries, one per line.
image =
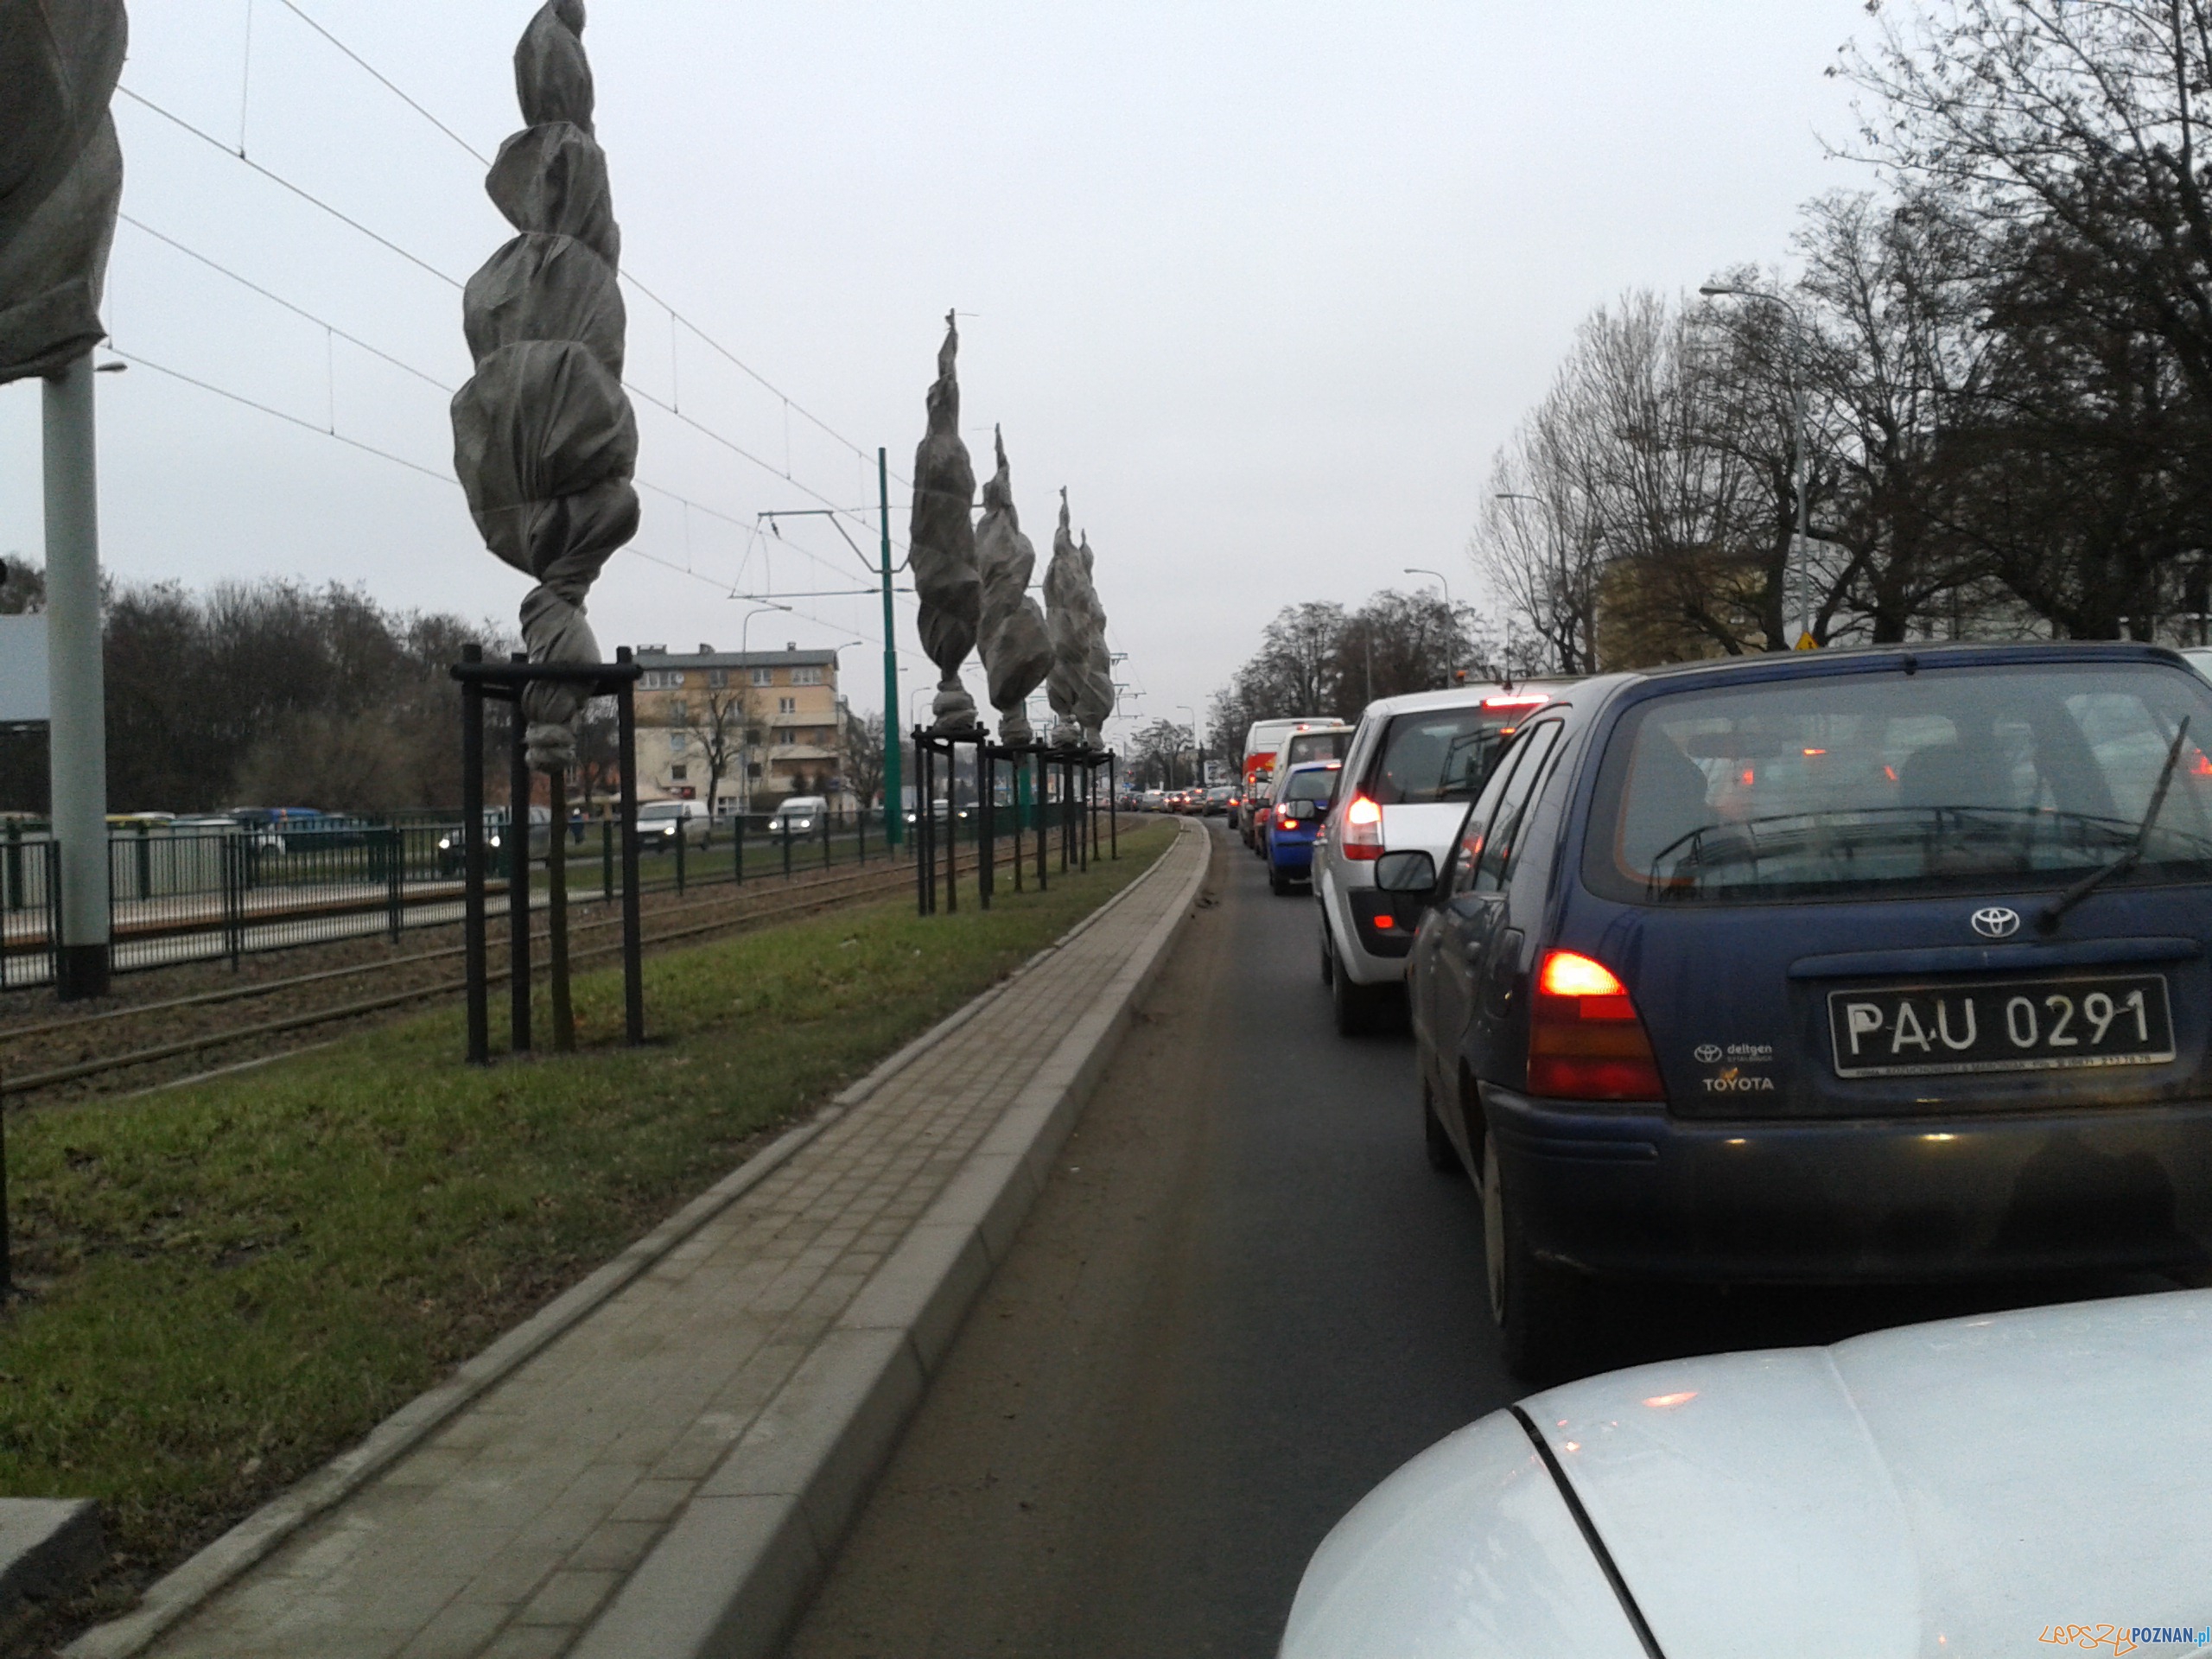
point(1800, 577)
point(1451, 615)
point(1196, 743)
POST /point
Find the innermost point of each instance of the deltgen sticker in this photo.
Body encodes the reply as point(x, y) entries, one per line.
point(1734, 1053)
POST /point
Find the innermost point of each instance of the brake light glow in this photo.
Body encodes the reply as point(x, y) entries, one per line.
point(1585, 1041)
point(1518, 700)
point(1362, 839)
point(1568, 973)
point(1384, 920)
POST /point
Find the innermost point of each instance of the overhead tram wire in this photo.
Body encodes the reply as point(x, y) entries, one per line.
point(280, 180)
point(309, 196)
point(282, 415)
point(432, 380)
point(858, 515)
point(704, 338)
point(379, 76)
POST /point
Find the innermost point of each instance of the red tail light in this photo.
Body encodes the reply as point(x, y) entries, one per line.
point(1585, 1039)
point(1363, 838)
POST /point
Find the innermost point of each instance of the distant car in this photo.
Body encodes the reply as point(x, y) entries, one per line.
point(452, 855)
point(1301, 802)
point(1413, 765)
point(1860, 965)
point(1911, 1492)
point(659, 822)
point(799, 815)
point(1218, 799)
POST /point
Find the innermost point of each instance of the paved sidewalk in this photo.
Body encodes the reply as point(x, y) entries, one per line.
point(508, 1531)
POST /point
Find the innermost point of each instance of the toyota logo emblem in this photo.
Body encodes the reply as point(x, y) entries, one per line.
point(1708, 1053)
point(1996, 922)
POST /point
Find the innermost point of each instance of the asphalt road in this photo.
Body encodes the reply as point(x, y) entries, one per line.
point(1243, 1301)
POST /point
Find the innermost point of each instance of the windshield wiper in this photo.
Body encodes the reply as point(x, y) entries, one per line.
point(2053, 912)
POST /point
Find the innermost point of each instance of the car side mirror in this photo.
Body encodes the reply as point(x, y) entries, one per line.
point(1412, 871)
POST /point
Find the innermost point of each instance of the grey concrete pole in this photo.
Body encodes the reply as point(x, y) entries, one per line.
point(75, 679)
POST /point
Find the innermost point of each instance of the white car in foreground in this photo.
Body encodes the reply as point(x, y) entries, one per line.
point(2030, 1482)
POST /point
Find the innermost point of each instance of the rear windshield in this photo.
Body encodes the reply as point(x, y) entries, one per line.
point(1949, 780)
point(1315, 746)
point(1445, 754)
point(1319, 785)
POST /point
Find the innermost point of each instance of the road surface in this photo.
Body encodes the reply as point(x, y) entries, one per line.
point(1243, 1300)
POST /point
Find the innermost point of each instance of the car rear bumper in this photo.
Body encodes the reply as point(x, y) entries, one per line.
point(1636, 1193)
point(1291, 855)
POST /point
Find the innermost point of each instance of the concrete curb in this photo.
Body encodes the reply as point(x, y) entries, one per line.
point(735, 1568)
point(182, 1591)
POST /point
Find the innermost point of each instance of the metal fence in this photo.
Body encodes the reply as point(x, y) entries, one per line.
point(202, 894)
point(30, 911)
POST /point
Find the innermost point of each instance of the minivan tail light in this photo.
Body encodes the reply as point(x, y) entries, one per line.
point(1585, 1041)
point(1363, 837)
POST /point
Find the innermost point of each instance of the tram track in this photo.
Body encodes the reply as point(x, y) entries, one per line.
point(738, 907)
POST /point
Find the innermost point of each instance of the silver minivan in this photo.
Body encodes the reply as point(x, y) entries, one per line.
point(1414, 764)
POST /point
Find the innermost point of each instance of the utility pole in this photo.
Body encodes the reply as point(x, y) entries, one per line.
point(894, 816)
point(76, 683)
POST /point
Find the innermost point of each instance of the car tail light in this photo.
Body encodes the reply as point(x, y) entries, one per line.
point(1585, 1039)
point(1362, 829)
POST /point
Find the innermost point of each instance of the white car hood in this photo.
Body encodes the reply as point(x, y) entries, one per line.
point(1971, 1487)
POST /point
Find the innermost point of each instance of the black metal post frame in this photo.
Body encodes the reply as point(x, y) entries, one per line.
point(504, 683)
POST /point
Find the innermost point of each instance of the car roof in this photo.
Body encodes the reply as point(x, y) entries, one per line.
point(1834, 659)
point(1314, 766)
point(1463, 696)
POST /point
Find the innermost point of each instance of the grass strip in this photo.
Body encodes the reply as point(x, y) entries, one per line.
point(237, 1280)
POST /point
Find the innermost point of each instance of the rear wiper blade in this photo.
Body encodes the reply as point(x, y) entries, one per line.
point(2056, 909)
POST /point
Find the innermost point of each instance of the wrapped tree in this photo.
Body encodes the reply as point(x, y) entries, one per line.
point(941, 544)
point(1095, 701)
point(1017, 652)
point(1069, 600)
point(544, 439)
point(61, 177)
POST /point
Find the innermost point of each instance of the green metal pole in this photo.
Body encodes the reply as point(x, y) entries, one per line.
point(894, 816)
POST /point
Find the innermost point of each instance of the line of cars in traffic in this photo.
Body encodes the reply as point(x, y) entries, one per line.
point(1866, 966)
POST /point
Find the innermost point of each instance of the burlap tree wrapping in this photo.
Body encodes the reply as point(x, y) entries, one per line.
point(941, 544)
point(1069, 600)
point(1017, 652)
point(544, 439)
point(1095, 701)
point(61, 177)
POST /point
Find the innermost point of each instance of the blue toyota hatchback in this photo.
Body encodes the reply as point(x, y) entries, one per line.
point(1877, 964)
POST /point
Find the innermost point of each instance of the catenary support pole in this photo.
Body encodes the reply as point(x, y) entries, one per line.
point(894, 794)
point(75, 681)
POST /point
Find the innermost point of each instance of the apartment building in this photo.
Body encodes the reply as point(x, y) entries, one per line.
point(775, 715)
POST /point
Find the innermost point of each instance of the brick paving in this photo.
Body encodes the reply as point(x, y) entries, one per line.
point(504, 1533)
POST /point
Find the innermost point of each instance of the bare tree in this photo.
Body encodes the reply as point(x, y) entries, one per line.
point(717, 723)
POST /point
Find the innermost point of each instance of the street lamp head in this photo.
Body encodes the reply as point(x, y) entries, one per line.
point(1712, 290)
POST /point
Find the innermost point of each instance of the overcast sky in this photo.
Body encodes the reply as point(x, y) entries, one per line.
point(1264, 286)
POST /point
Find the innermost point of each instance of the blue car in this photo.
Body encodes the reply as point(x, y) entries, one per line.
point(1294, 817)
point(1867, 965)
